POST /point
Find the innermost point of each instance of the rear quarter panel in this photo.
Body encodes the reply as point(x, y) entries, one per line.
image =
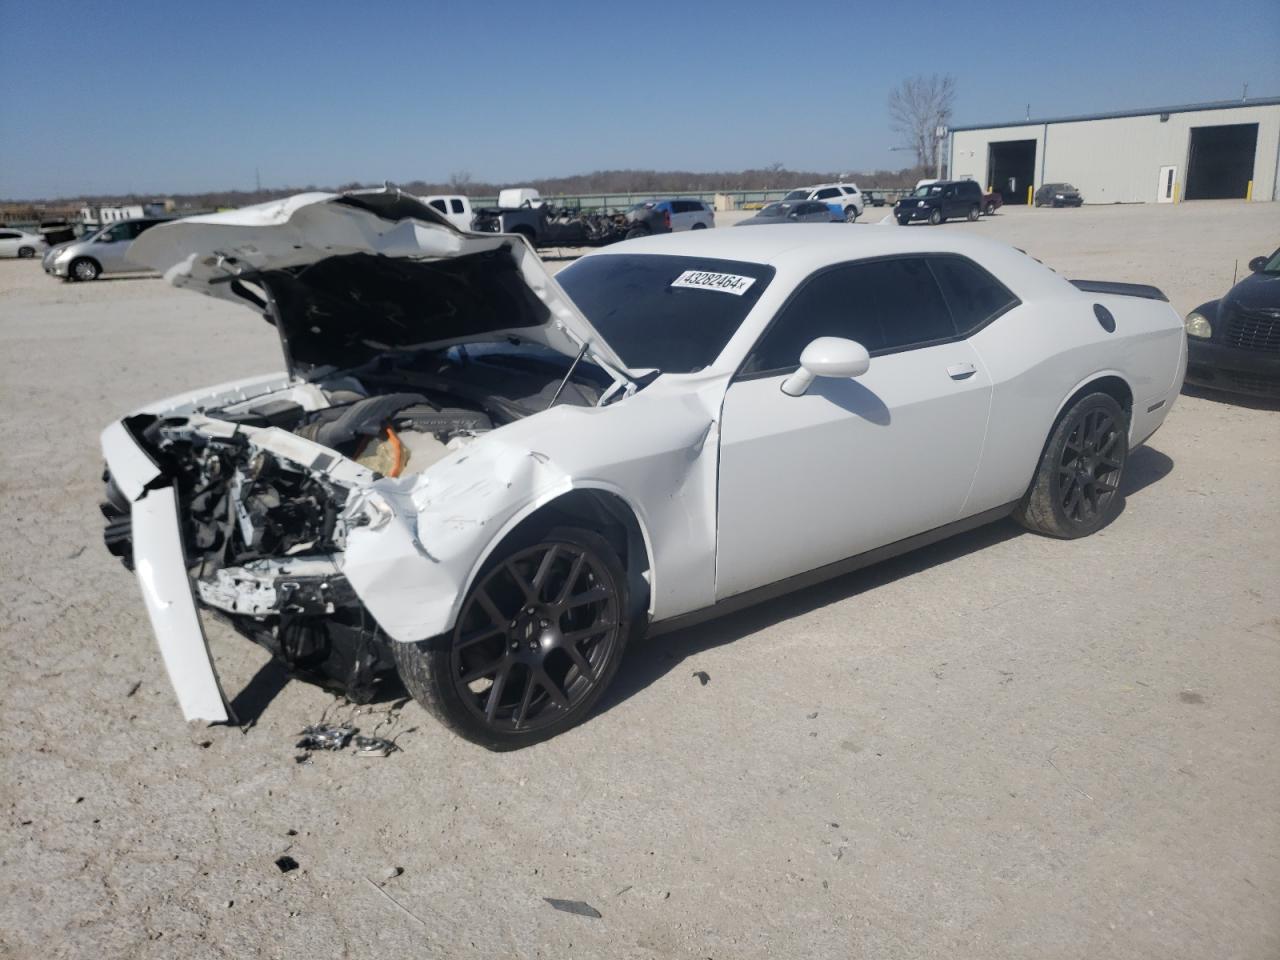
point(1044, 351)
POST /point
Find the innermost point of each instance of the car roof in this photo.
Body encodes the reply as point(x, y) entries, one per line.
point(805, 247)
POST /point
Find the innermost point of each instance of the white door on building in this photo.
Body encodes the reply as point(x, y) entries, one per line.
point(1168, 182)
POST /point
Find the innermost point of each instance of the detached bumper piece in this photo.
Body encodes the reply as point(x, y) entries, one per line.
point(162, 574)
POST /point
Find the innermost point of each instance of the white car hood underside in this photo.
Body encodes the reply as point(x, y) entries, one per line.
point(203, 253)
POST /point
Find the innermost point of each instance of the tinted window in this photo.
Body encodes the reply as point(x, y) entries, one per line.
point(884, 305)
point(456, 205)
point(827, 193)
point(797, 195)
point(974, 295)
point(439, 205)
point(142, 225)
point(969, 188)
point(681, 206)
point(630, 299)
point(5, 235)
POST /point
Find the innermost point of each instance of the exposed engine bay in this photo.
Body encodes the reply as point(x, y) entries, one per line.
point(264, 532)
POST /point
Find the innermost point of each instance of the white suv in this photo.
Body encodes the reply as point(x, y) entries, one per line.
point(846, 196)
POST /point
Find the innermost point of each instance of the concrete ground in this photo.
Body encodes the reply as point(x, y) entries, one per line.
point(1002, 746)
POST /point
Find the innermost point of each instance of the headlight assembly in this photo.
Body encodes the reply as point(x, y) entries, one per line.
point(1198, 326)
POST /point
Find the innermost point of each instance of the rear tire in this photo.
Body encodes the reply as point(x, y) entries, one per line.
point(699, 226)
point(1076, 486)
point(935, 216)
point(850, 214)
point(990, 210)
point(635, 232)
point(544, 627)
point(26, 253)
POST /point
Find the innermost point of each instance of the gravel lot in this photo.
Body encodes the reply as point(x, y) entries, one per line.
point(1002, 746)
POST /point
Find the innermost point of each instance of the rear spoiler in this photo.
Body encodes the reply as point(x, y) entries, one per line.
point(1121, 289)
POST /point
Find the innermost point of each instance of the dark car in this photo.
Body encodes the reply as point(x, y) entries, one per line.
point(1233, 344)
point(788, 211)
point(1058, 195)
point(873, 198)
point(939, 201)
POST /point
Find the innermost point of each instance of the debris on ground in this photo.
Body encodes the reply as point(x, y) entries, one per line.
point(576, 907)
point(374, 747)
point(286, 864)
point(390, 873)
point(703, 677)
point(326, 736)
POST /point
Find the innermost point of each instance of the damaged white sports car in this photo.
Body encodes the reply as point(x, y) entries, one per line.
point(490, 481)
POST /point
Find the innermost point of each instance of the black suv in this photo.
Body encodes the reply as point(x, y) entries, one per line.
point(1233, 344)
point(939, 201)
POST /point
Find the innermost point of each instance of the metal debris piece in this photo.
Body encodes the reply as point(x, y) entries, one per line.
point(703, 677)
point(326, 736)
point(374, 747)
point(576, 907)
point(286, 864)
point(390, 873)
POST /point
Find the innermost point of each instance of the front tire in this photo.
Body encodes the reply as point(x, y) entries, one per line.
point(635, 232)
point(990, 211)
point(85, 268)
point(974, 213)
point(1076, 487)
point(935, 217)
point(539, 638)
point(903, 221)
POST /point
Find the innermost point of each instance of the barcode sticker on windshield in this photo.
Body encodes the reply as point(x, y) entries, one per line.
point(723, 282)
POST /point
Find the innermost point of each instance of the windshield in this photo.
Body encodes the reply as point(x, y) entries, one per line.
point(668, 313)
point(928, 190)
point(1273, 265)
point(774, 210)
point(797, 195)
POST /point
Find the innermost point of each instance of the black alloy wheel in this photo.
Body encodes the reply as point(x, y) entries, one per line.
point(538, 639)
point(974, 213)
point(1076, 488)
point(1090, 465)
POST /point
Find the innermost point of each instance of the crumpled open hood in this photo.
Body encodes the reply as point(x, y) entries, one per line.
point(310, 250)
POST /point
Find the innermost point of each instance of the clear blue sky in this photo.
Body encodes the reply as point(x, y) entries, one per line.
point(164, 97)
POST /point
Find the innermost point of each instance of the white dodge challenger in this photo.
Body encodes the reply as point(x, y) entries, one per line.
point(489, 480)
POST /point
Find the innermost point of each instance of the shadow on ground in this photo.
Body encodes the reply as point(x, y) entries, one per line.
point(1245, 400)
point(649, 660)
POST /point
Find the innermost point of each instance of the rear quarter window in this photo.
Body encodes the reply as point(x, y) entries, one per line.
point(974, 295)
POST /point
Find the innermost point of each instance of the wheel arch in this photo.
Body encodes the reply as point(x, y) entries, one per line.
point(597, 505)
point(1110, 382)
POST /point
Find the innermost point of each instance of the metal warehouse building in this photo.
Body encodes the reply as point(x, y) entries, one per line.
point(1198, 151)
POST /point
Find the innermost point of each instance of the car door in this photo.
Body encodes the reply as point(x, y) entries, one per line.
point(9, 242)
point(109, 247)
point(853, 464)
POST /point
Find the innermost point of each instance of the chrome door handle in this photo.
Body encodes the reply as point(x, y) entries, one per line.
point(961, 371)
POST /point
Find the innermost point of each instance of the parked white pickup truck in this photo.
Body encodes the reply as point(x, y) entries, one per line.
point(455, 207)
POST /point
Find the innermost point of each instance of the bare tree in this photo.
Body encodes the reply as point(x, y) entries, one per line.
point(459, 181)
point(917, 107)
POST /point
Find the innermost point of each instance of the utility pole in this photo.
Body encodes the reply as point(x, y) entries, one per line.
point(257, 181)
point(1244, 95)
point(940, 137)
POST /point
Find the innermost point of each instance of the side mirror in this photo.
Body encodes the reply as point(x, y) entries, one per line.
point(1257, 263)
point(827, 357)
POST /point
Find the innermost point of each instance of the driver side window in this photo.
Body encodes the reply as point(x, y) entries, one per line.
point(885, 305)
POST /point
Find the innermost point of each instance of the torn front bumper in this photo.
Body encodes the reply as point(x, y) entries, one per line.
point(159, 562)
